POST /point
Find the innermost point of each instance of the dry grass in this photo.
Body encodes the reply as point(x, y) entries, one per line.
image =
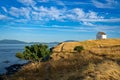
point(109, 48)
point(90, 44)
point(99, 61)
point(107, 70)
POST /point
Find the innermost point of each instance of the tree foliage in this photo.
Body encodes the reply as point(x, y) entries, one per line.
point(34, 52)
point(20, 55)
point(79, 48)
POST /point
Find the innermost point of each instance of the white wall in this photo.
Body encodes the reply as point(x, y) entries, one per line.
point(99, 36)
point(104, 37)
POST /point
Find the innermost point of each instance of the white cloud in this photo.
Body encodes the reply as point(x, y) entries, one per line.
point(44, 14)
point(76, 3)
point(93, 15)
point(54, 27)
point(4, 17)
point(59, 2)
point(53, 13)
point(70, 16)
point(102, 20)
point(88, 23)
point(66, 28)
point(5, 10)
point(20, 12)
point(21, 20)
point(106, 28)
point(43, 0)
point(27, 2)
point(108, 4)
point(54, 2)
point(79, 13)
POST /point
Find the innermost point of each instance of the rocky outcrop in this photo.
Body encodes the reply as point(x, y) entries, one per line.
point(13, 68)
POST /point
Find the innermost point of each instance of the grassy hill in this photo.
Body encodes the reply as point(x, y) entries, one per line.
point(99, 61)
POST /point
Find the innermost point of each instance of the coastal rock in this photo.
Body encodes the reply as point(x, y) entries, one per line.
point(13, 68)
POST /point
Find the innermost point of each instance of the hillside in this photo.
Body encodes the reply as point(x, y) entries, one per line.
point(108, 47)
point(6, 41)
point(99, 61)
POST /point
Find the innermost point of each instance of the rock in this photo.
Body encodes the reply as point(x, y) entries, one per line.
point(6, 61)
point(13, 68)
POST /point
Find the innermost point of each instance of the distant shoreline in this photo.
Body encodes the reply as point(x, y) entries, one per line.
point(5, 41)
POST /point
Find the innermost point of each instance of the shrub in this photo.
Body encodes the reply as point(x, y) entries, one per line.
point(20, 55)
point(79, 48)
point(34, 52)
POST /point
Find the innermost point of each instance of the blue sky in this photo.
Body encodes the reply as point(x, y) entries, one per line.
point(58, 20)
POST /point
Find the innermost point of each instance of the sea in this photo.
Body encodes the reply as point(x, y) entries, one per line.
point(8, 52)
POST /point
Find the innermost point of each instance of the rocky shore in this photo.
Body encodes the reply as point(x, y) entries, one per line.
point(11, 70)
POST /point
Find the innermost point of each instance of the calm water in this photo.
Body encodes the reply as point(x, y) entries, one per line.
point(7, 55)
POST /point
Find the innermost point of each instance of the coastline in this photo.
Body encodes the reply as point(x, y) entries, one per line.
point(12, 69)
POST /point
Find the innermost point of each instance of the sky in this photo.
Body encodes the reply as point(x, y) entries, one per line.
point(58, 20)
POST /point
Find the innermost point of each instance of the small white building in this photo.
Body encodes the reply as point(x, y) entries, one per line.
point(101, 35)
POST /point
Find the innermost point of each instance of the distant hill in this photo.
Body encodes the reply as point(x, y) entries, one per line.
point(44, 43)
point(70, 41)
point(6, 41)
point(53, 42)
point(34, 42)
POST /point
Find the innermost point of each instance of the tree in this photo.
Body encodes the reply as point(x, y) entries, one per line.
point(34, 52)
point(79, 48)
point(20, 55)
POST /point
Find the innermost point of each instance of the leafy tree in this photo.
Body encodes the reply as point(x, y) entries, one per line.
point(20, 55)
point(34, 52)
point(79, 48)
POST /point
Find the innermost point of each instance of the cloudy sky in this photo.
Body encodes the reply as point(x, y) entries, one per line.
point(58, 20)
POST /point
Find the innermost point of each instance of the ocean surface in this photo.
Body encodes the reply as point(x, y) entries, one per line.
point(7, 55)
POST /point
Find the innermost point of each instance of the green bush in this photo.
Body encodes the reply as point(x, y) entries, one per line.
point(79, 48)
point(34, 52)
point(20, 55)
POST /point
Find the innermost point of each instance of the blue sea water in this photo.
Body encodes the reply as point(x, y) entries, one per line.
point(7, 55)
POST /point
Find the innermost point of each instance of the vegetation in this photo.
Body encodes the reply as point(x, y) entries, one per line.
point(78, 48)
point(34, 52)
point(20, 55)
point(100, 60)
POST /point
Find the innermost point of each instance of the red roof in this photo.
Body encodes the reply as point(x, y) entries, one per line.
point(102, 33)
